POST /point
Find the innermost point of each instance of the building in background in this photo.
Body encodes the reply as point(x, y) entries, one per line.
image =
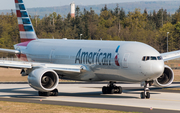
point(72, 10)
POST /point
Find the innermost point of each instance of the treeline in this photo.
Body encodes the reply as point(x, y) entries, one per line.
point(149, 28)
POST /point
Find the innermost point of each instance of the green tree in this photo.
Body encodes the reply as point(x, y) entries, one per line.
point(168, 27)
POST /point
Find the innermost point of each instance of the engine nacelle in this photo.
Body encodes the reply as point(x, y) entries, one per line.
point(43, 79)
point(166, 78)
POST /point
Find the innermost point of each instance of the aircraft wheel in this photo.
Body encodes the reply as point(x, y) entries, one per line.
point(147, 95)
point(40, 93)
point(55, 92)
point(119, 89)
point(47, 93)
point(44, 93)
point(112, 90)
point(104, 90)
point(143, 95)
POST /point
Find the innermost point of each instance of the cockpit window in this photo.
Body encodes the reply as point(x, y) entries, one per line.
point(153, 58)
point(145, 58)
point(159, 57)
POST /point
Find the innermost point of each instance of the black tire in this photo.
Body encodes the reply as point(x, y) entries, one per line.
point(108, 90)
point(112, 90)
point(44, 93)
point(40, 93)
point(104, 90)
point(116, 89)
point(147, 95)
point(143, 95)
point(119, 90)
point(55, 92)
point(47, 93)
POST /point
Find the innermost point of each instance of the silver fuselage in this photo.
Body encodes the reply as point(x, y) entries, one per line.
point(107, 60)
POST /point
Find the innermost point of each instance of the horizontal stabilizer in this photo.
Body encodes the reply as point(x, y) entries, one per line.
point(10, 51)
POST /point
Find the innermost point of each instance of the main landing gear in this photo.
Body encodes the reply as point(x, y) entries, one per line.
point(51, 93)
point(146, 93)
point(111, 89)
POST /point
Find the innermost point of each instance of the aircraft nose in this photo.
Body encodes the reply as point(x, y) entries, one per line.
point(158, 68)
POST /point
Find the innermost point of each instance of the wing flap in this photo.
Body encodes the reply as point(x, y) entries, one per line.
point(171, 55)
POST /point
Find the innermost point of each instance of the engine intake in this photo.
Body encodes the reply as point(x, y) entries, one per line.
point(166, 78)
point(43, 79)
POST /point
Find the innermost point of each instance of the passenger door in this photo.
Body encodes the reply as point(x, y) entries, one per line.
point(125, 60)
point(51, 56)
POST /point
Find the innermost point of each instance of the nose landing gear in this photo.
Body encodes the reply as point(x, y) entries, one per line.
point(146, 93)
point(111, 89)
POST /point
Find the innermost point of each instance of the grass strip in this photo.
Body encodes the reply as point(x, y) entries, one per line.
point(18, 107)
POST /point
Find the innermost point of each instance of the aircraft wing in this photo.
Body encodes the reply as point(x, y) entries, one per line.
point(171, 55)
point(9, 51)
point(15, 64)
point(31, 65)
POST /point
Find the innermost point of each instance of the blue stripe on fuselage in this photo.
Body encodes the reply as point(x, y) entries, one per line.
point(117, 49)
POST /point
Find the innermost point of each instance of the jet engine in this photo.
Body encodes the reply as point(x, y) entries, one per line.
point(43, 79)
point(166, 78)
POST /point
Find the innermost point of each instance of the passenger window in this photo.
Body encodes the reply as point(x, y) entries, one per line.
point(153, 58)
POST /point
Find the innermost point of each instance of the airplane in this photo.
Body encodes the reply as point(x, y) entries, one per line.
point(45, 61)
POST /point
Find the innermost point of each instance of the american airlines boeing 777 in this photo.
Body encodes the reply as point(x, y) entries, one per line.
point(44, 61)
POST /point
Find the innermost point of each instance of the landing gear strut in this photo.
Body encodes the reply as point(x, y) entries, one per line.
point(111, 89)
point(51, 93)
point(146, 93)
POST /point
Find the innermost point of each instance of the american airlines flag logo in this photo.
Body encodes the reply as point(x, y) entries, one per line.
point(26, 29)
point(117, 56)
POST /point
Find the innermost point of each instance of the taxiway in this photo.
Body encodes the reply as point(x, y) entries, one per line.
point(89, 95)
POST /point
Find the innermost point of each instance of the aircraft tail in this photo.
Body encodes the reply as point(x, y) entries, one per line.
point(26, 30)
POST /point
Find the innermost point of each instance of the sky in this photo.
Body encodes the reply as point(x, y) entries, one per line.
point(9, 4)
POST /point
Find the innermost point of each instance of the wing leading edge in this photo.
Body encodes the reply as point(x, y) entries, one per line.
point(31, 65)
point(171, 55)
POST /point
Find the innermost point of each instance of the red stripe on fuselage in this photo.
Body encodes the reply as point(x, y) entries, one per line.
point(23, 43)
point(16, 1)
point(18, 13)
point(21, 27)
point(116, 60)
point(26, 40)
